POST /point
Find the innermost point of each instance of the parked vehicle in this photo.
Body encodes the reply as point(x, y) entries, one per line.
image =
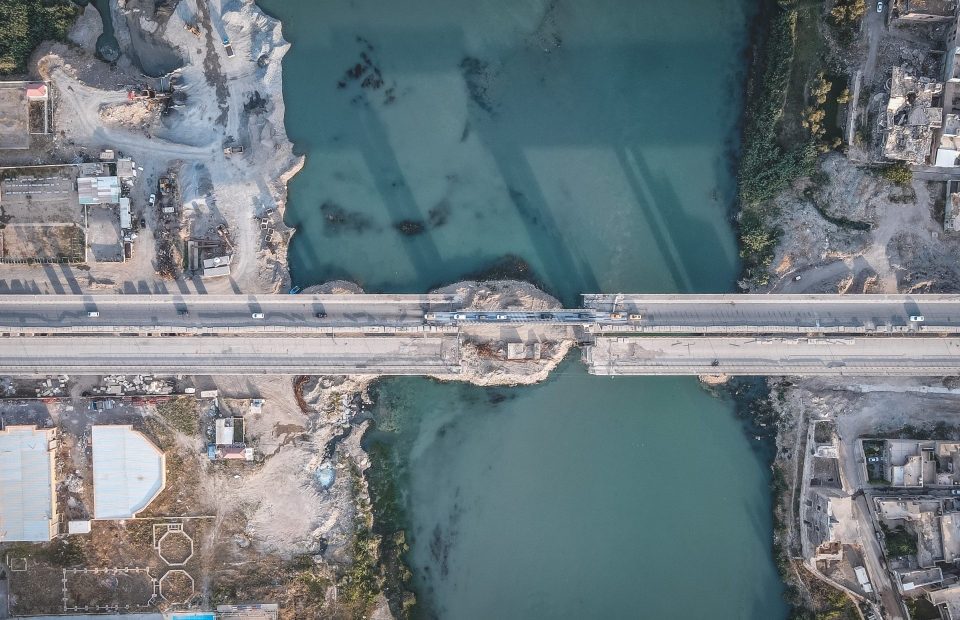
point(321, 315)
point(916, 318)
point(153, 199)
point(429, 316)
point(616, 315)
point(296, 290)
point(873, 459)
point(93, 313)
point(143, 222)
point(257, 315)
point(796, 278)
point(635, 317)
point(879, 7)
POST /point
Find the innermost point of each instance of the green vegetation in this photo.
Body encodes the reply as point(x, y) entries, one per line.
point(765, 168)
point(847, 11)
point(899, 173)
point(778, 489)
point(899, 541)
point(180, 413)
point(361, 582)
point(27, 23)
point(938, 190)
point(758, 243)
point(922, 609)
point(843, 19)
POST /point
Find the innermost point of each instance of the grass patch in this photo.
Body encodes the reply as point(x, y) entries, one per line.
point(180, 413)
point(27, 23)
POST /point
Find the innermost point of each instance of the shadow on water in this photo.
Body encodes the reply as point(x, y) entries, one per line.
point(549, 234)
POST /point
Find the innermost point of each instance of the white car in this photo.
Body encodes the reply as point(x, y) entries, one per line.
point(153, 199)
point(257, 315)
point(879, 7)
point(916, 318)
point(93, 314)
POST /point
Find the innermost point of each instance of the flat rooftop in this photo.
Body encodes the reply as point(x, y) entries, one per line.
point(27, 495)
point(128, 471)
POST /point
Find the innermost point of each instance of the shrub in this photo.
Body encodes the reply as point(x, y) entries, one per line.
point(899, 173)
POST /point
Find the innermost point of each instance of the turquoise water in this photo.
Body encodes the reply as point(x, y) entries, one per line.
point(604, 163)
point(588, 146)
point(582, 498)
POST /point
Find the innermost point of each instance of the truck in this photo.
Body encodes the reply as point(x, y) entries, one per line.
point(228, 47)
point(232, 149)
point(861, 574)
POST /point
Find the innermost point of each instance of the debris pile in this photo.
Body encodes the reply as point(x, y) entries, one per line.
point(48, 388)
point(117, 385)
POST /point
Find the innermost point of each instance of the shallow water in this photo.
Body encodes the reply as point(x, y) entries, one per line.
point(593, 143)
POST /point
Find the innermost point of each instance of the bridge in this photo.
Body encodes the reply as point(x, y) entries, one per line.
point(422, 334)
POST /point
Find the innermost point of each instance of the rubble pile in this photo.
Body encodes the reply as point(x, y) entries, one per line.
point(118, 385)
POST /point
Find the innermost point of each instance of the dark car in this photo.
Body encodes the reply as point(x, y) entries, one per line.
point(321, 315)
point(143, 222)
point(546, 315)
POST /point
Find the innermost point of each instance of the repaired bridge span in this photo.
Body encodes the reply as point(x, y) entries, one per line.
point(420, 334)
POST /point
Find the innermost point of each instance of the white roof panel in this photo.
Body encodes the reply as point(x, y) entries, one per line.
point(26, 484)
point(128, 472)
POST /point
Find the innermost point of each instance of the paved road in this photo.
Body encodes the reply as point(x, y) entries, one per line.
point(178, 312)
point(230, 355)
point(783, 313)
point(717, 314)
point(869, 356)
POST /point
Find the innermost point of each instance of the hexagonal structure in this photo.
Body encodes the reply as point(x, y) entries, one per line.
point(175, 548)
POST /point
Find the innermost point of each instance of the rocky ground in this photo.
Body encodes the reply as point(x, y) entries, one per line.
point(848, 230)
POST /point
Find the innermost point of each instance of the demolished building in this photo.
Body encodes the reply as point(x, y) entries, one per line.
point(914, 114)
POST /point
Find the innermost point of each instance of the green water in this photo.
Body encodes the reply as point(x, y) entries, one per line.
point(588, 146)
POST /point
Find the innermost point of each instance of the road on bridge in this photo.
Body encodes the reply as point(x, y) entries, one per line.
point(57, 312)
point(864, 356)
point(782, 313)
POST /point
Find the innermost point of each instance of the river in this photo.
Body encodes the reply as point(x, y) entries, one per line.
point(585, 146)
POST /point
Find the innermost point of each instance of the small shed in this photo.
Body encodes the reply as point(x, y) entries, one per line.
point(128, 472)
point(36, 91)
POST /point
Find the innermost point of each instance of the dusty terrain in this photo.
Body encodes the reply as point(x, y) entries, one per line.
point(903, 248)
